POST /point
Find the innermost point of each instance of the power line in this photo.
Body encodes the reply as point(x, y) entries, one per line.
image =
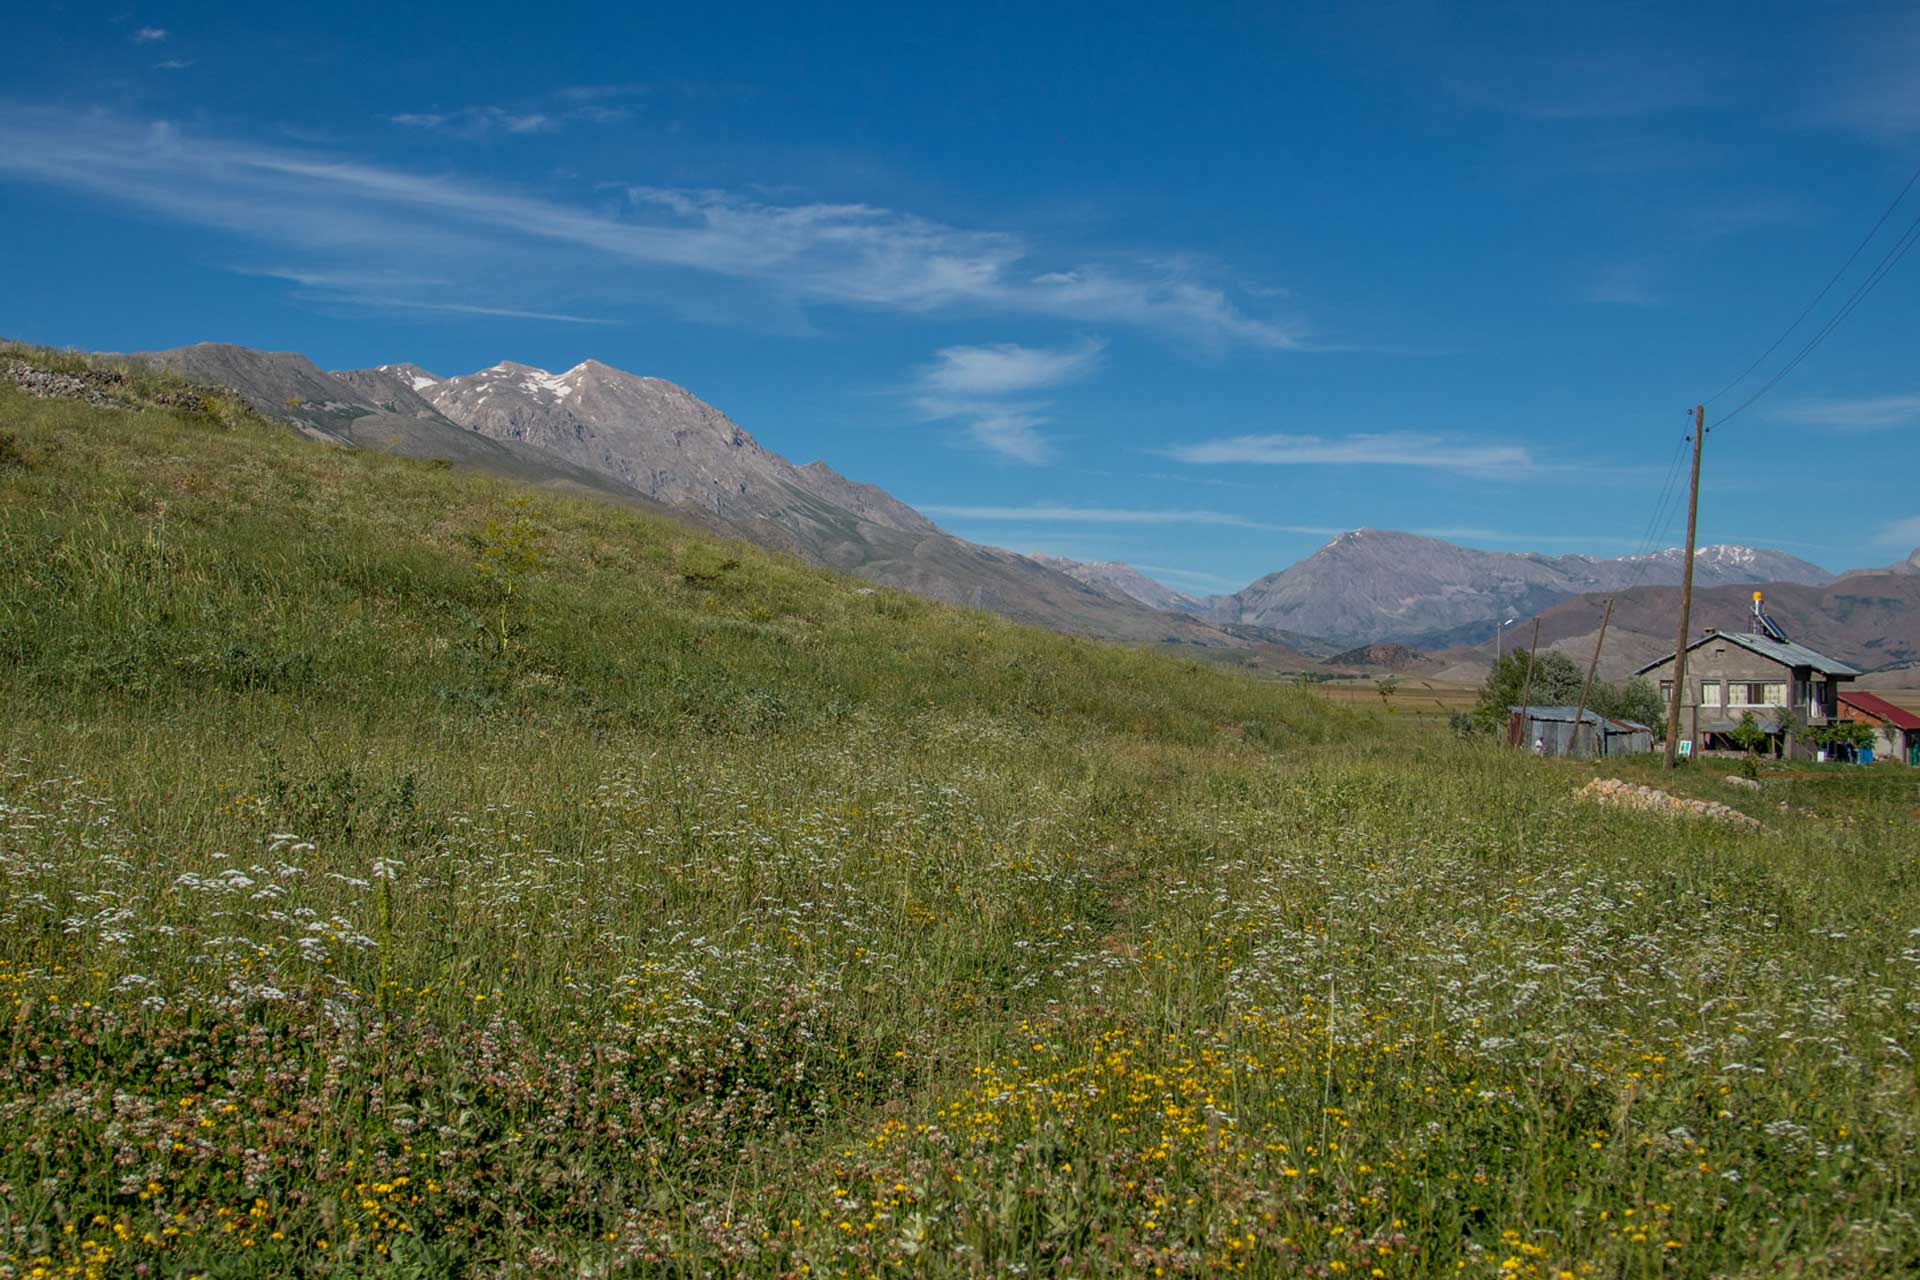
point(1881, 271)
point(1824, 290)
point(1656, 523)
point(1665, 507)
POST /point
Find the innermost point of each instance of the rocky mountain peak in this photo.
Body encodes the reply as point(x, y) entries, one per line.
point(413, 375)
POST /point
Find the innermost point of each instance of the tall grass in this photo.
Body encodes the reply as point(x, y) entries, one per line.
point(678, 909)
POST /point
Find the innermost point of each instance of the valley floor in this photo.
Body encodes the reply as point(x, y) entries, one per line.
point(400, 877)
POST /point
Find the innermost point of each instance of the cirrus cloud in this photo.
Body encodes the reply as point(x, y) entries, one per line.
point(1068, 514)
point(847, 254)
point(972, 383)
point(1007, 367)
point(1392, 448)
point(1873, 413)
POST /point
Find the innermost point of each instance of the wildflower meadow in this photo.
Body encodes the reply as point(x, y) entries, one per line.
point(402, 873)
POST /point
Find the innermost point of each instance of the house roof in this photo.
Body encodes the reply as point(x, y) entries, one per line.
point(1784, 652)
point(1564, 715)
point(1878, 707)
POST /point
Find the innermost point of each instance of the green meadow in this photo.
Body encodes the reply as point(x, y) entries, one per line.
point(403, 873)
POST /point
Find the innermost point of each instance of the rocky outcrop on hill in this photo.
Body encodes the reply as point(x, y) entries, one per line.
point(104, 388)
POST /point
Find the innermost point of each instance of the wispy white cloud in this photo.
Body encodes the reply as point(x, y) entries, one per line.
point(1197, 577)
point(1878, 96)
point(848, 254)
point(1006, 368)
point(1624, 284)
point(150, 35)
point(865, 254)
point(393, 291)
point(973, 384)
point(1870, 414)
point(1618, 76)
point(474, 122)
point(467, 309)
point(1059, 514)
point(1754, 212)
point(1395, 448)
point(1011, 430)
point(173, 64)
point(1905, 533)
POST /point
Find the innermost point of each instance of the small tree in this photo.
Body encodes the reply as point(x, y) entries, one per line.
point(1637, 701)
point(1748, 735)
point(1556, 682)
point(1843, 736)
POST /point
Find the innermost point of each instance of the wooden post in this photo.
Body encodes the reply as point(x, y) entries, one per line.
point(1526, 687)
point(1578, 722)
point(1686, 591)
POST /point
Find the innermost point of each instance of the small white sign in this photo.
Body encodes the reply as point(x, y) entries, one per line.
point(1686, 748)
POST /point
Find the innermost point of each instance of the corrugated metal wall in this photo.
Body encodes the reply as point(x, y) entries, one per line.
point(1557, 735)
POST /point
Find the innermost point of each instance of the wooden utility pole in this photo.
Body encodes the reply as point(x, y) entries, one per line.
point(1686, 589)
point(1526, 687)
point(1579, 714)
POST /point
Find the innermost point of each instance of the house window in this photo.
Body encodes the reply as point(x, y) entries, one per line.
point(1757, 694)
point(1709, 693)
point(1666, 691)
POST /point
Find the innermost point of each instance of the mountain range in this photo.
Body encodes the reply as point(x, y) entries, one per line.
point(1870, 619)
point(648, 442)
point(1381, 585)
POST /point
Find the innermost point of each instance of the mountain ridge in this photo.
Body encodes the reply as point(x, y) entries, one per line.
point(1869, 620)
point(639, 438)
point(1381, 585)
point(648, 441)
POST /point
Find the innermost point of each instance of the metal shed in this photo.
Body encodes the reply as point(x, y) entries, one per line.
point(1553, 728)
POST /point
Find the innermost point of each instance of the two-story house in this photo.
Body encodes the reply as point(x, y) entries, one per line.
point(1731, 673)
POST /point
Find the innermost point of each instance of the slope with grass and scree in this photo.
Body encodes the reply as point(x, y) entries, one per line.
point(403, 872)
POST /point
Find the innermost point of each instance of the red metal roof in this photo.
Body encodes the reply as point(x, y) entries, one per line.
point(1880, 708)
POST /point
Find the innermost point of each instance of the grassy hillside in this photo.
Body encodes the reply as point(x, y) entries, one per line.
point(400, 872)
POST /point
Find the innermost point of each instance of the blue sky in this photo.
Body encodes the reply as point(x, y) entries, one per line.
point(1189, 286)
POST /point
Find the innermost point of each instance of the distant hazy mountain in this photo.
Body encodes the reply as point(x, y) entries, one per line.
point(1121, 581)
point(1910, 565)
point(648, 442)
point(1376, 584)
point(1871, 620)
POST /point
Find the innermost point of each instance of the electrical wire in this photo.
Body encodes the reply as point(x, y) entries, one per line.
point(1824, 290)
point(1881, 271)
point(1658, 520)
